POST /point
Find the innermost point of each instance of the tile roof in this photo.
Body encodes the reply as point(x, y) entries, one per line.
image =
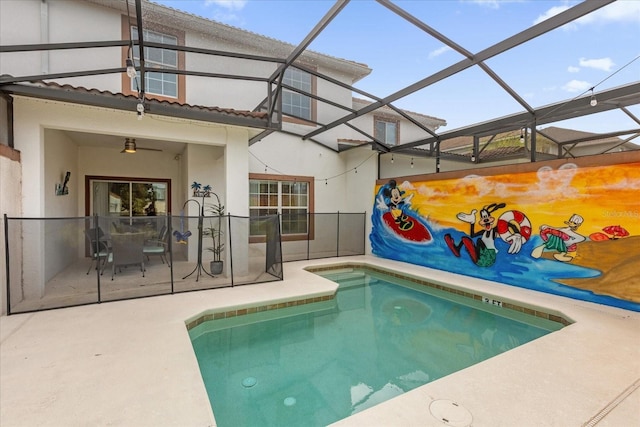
point(120, 95)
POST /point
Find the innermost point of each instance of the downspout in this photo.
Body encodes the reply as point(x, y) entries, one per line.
point(44, 36)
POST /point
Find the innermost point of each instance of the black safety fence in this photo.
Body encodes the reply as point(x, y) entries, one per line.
point(64, 262)
point(329, 235)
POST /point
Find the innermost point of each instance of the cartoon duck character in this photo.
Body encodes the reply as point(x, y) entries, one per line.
point(483, 251)
point(396, 202)
point(562, 240)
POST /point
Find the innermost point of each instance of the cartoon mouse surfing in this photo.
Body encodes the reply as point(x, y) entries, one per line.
point(397, 217)
point(513, 227)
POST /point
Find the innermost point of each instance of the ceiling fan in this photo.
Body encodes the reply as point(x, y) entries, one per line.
point(130, 146)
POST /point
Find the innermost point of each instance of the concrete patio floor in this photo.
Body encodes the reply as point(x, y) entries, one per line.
point(130, 363)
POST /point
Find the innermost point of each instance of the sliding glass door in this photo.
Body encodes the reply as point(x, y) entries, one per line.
point(128, 199)
point(124, 203)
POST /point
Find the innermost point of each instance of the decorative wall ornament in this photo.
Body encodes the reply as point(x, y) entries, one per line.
point(63, 189)
point(200, 191)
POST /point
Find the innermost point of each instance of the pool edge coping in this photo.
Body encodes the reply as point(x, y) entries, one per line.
point(505, 303)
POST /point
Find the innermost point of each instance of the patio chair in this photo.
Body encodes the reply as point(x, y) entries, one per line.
point(126, 250)
point(158, 246)
point(100, 250)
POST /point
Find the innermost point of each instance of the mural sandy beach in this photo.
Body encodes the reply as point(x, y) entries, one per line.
point(620, 262)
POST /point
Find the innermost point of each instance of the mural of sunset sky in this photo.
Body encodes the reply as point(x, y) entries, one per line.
point(603, 196)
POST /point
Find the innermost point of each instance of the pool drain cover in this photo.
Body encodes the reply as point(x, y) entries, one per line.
point(249, 382)
point(451, 413)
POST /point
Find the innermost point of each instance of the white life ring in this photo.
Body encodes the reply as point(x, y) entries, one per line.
point(512, 222)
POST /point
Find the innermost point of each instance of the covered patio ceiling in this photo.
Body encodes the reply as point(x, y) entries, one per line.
point(266, 117)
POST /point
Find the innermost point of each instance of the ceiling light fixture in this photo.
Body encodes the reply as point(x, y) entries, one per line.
point(412, 163)
point(129, 145)
point(522, 136)
point(392, 158)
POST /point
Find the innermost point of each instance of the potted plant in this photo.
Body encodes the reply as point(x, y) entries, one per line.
point(214, 231)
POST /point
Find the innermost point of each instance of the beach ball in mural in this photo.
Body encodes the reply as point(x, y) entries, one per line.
point(513, 222)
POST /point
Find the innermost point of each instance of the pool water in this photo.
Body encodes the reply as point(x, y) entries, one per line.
point(315, 364)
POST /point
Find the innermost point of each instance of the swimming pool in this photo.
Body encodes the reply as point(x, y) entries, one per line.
point(378, 338)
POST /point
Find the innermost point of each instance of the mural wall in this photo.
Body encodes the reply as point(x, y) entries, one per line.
point(570, 228)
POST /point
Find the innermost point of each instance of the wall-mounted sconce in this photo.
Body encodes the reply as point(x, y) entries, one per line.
point(62, 189)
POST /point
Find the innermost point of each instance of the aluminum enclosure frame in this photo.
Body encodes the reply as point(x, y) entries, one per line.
point(429, 146)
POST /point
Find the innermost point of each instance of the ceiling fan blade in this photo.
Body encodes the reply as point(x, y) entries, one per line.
point(148, 149)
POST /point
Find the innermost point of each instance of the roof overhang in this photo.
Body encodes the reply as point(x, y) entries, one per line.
point(255, 122)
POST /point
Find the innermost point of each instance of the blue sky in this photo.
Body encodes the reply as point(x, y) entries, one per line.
point(601, 50)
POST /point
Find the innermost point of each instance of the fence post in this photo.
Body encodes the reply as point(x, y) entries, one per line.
point(364, 232)
point(6, 252)
point(230, 248)
point(96, 249)
point(308, 231)
point(338, 236)
point(170, 247)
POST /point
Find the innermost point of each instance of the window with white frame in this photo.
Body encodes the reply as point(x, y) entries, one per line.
point(290, 198)
point(386, 130)
point(157, 83)
point(293, 103)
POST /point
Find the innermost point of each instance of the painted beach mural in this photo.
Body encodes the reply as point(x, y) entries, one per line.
point(560, 227)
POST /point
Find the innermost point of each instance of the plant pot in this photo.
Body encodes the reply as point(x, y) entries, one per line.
point(216, 267)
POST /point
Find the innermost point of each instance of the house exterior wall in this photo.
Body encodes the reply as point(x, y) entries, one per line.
point(10, 195)
point(60, 22)
point(60, 156)
point(287, 155)
point(33, 117)
point(95, 22)
point(215, 154)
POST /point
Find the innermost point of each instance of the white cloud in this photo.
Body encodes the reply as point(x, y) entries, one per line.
point(549, 13)
point(227, 4)
point(439, 51)
point(604, 64)
point(573, 69)
point(493, 4)
point(576, 86)
point(619, 11)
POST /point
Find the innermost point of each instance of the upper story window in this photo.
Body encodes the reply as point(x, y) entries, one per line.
point(154, 58)
point(157, 84)
point(387, 130)
point(296, 104)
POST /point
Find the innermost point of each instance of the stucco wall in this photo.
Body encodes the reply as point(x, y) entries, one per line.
point(10, 193)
